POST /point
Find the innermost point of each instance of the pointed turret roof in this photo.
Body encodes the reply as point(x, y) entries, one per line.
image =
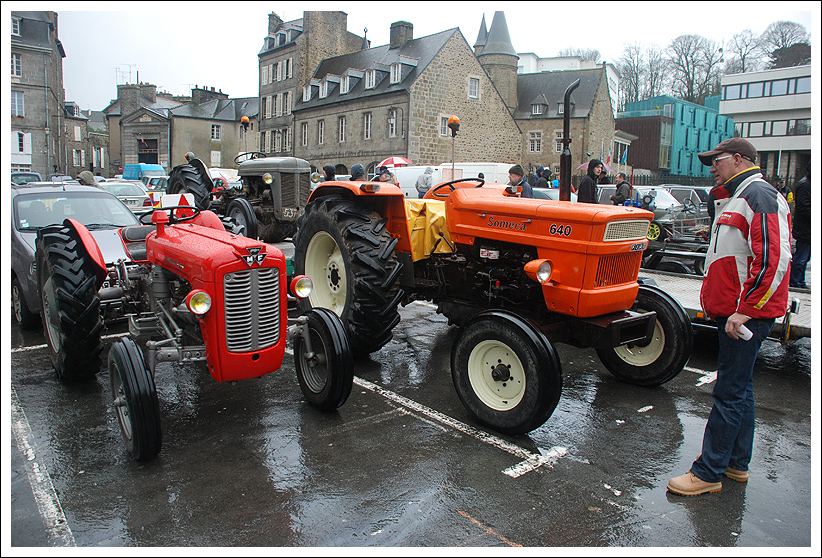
point(482, 36)
point(498, 40)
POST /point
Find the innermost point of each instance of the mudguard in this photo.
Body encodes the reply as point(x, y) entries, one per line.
point(89, 245)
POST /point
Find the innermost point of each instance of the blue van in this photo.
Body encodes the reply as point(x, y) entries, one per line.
point(140, 170)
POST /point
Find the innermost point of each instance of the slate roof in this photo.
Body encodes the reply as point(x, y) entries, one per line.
point(230, 110)
point(160, 107)
point(423, 50)
point(552, 85)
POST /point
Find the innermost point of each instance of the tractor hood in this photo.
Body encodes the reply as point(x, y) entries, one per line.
point(258, 167)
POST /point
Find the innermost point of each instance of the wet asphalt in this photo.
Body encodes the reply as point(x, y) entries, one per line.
point(402, 463)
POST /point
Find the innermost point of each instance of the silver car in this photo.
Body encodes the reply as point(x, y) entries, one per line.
point(133, 194)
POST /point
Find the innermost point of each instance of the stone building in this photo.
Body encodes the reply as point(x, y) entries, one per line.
point(75, 139)
point(286, 61)
point(37, 96)
point(396, 100)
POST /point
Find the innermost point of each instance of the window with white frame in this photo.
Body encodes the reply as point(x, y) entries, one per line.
point(271, 73)
point(287, 101)
point(268, 104)
point(561, 108)
point(323, 89)
point(321, 132)
point(289, 71)
point(279, 74)
point(278, 141)
point(264, 75)
point(263, 138)
point(344, 84)
point(278, 105)
point(78, 134)
point(304, 134)
point(536, 109)
point(15, 26)
point(558, 137)
point(287, 143)
point(395, 73)
point(366, 125)
point(535, 142)
point(16, 65)
point(17, 108)
point(306, 93)
point(443, 125)
point(342, 128)
point(392, 123)
point(99, 154)
point(215, 132)
point(370, 79)
point(79, 158)
point(473, 88)
point(216, 158)
point(23, 143)
point(262, 107)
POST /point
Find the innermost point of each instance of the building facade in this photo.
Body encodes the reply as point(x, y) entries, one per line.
point(671, 133)
point(772, 110)
point(37, 96)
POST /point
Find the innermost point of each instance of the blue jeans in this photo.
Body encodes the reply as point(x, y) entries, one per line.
point(799, 262)
point(728, 440)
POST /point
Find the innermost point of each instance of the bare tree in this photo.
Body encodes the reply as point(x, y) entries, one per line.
point(632, 69)
point(584, 53)
point(783, 34)
point(658, 76)
point(745, 50)
point(695, 67)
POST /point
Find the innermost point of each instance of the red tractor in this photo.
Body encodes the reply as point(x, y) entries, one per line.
point(209, 297)
point(515, 274)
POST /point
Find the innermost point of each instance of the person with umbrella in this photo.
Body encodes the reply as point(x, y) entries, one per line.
point(386, 175)
point(587, 191)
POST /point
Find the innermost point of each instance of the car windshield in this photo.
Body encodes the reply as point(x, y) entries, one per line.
point(24, 178)
point(93, 209)
point(123, 189)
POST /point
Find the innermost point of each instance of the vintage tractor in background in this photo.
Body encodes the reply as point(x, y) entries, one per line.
point(210, 297)
point(515, 274)
point(274, 193)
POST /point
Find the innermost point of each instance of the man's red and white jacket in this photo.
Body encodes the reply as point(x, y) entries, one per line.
point(747, 268)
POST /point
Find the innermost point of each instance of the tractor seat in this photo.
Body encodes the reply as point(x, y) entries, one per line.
point(135, 240)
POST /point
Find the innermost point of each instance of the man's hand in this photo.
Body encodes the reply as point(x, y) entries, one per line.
point(732, 325)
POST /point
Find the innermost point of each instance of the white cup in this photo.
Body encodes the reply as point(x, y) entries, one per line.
point(744, 333)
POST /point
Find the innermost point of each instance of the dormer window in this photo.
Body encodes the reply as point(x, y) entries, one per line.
point(370, 79)
point(561, 109)
point(15, 26)
point(345, 83)
point(323, 89)
point(395, 73)
point(536, 109)
point(307, 93)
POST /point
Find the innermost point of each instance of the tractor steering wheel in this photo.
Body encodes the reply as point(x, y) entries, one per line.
point(248, 155)
point(145, 218)
point(451, 186)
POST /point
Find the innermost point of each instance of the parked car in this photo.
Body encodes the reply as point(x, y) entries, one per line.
point(696, 196)
point(132, 194)
point(62, 178)
point(156, 183)
point(667, 209)
point(24, 177)
point(39, 204)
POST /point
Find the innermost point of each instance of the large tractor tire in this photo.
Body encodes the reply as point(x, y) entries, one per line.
point(134, 396)
point(665, 355)
point(243, 213)
point(70, 307)
point(506, 372)
point(326, 372)
point(349, 255)
point(186, 179)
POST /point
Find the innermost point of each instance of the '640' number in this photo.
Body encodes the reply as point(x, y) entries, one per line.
point(562, 230)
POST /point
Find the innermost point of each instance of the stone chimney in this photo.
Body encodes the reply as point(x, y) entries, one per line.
point(129, 97)
point(149, 90)
point(274, 21)
point(204, 94)
point(401, 33)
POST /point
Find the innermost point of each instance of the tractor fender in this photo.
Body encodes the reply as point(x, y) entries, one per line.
point(90, 247)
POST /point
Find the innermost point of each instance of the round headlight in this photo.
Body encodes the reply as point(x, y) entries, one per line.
point(301, 286)
point(198, 302)
point(267, 178)
point(544, 272)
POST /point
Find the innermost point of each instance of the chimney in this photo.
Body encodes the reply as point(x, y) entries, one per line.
point(274, 21)
point(129, 97)
point(149, 90)
point(401, 33)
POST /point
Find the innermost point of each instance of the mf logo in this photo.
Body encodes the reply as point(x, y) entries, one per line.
point(255, 255)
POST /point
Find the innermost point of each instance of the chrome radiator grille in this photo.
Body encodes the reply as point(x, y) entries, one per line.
point(626, 230)
point(618, 269)
point(252, 309)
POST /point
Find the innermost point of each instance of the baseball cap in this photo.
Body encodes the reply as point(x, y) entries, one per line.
point(732, 145)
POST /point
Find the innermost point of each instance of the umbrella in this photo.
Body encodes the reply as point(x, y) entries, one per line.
point(584, 167)
point(394, 161)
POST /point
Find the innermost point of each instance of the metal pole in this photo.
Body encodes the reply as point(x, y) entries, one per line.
point(565, 157)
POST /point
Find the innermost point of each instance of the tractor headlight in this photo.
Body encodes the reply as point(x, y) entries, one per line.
point(199, 302)
point(544, 272)
point(267, 178)
point(541, 271)
point(301, 286)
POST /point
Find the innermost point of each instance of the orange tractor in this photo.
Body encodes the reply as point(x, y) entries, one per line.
point(515, 274)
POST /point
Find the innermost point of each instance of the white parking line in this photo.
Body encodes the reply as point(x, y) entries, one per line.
point(41, 486)
point(706, 378)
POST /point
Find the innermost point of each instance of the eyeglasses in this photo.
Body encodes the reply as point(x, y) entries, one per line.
point(719, 159)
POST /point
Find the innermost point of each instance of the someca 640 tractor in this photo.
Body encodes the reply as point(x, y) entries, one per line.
point(515, 274)
point(206, 296)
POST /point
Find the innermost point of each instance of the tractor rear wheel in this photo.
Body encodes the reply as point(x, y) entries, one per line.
point(348, 253)
point(185, 179)
point(326, 374)
point(70, 307)
point(665, 355)
point(506, 372)
point(242, 212)
point(135, 399)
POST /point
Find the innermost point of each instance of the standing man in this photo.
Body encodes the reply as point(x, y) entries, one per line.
point(425, 181)
point(623, 189)
point(86, 178)
point(516, 177)
point(745, 286)
point(329, 172)
point(587, 191)
point(802, 230)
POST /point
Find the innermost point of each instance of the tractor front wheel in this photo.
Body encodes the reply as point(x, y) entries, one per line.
point(241, 210)
point(326, 372)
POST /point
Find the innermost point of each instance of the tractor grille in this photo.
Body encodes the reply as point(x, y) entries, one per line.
point(252, 309)
point(618, 269)
point(626, 230)
point(295, 189)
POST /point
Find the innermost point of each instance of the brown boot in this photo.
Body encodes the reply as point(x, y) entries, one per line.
point(690, 485)
point(737, 475)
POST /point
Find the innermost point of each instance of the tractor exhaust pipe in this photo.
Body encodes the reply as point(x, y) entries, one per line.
point(565, 157)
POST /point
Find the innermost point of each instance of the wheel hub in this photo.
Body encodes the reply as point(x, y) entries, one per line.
point(501, 373)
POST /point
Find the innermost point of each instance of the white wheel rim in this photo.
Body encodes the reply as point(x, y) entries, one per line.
point(498, 395)
point(325, 266)
point(644, 356)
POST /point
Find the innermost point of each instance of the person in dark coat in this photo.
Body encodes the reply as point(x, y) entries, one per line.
point(542, 181)
point(516, 176)
point(603, 177)
point(535, 177)
point(801, 230)
point(587, 191)
point(329, 172)
point(357, 172)
point(623, 189)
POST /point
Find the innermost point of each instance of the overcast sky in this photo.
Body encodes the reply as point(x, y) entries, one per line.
point(177, 45)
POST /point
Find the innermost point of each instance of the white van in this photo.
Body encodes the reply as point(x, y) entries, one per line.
point(407, 177)
point(494, 172)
